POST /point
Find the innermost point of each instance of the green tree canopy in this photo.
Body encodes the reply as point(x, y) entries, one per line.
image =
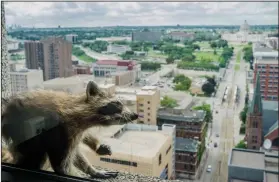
point(168, 102)
point(170, 60)
point(241, 145)
point(208, 88)
point(205, 107)
point(183, 83)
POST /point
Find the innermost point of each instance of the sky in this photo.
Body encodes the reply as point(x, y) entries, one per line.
point(92, 14)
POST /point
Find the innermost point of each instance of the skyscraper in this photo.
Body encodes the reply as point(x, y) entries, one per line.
point(53, 55)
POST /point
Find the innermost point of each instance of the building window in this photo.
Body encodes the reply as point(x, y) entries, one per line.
point(148, 120)
point(148, 102)
point(148, 114)
point(255, 124)
point(168, 150)
point(254, 139)
point(148, 108)
point(160, 159)
point(141, 110)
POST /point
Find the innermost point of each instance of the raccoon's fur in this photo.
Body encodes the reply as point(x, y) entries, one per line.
point(75, 113)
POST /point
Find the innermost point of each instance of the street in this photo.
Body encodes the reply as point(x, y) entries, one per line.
point(97, 55)
point(226, 123)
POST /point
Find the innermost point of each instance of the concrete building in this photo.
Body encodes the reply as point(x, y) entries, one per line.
point(80, 69)
point(74, 84)
point(124, 78)
point(250, 165)
point(103, 68)
point(26, 80)
point(108, 88)
point(118, 49)
point(146, 36)
point(73, 38)
point(181, 36)
point(244, 35)
point(12, 45)
point(147, 107)
point(139, 149)
point(186, 154)
point(53, 55)
point(266, 63)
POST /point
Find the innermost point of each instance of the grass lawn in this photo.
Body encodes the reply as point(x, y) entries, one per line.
point(238, 56)
point(203, 44)
point(206, 55)
point(154, 54)
point(87, 58)
point(236, 67)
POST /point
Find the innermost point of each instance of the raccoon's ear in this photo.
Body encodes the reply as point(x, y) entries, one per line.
point(92, 89)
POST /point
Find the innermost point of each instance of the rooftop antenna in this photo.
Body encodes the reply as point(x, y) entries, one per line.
point(267, 144)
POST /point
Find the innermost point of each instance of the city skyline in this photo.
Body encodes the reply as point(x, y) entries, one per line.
point(94, 14)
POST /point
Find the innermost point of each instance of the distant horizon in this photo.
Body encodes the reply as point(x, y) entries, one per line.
point(108, 14)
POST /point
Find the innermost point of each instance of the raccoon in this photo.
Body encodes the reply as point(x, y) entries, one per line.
point(75, 114)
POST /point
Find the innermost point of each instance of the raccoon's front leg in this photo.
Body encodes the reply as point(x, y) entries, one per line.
point(83, 164)
point(94, 144)
point(7, 156)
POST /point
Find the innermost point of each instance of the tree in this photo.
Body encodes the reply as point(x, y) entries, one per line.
point(188, 57)
point(208, 88)
point(196, 47)
point(170, 60)
point(168, 102)
point(207, 109)
point(213, 45)
point(243, 114)
point(215, 52)
point(211, 80)
point(147, 65)
point(241, 145)
point(183, 83)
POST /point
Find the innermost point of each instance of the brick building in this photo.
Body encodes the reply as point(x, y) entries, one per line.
point(78, 69)
point(266, 63)
point(186, 158)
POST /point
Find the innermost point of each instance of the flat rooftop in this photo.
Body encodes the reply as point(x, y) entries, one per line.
point(248, 159)
point(69, 80)
point(271, 163)
point(143, 144)
point(271, 177)
point(131, 97)
point(146, 92)
point(239, 180)
point(185, 144)
point(108, 85)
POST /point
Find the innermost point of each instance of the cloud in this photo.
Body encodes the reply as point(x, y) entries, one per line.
point(85, 14)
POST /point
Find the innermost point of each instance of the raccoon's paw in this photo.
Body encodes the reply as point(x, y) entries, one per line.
point(104, 150)
point(104, 174)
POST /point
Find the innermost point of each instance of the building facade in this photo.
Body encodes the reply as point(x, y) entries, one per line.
point(124, 78)
point(254, 121)
point(266, 63)
point(147, 105)
point(139, 149)
point(146, 36)
point(73, 38)
point(78, 70)
point(26, 80)
point(181, 36)
point(250, 165)
point(105, 68)
point(118, 49)
point(186, 154)
point(53, 55)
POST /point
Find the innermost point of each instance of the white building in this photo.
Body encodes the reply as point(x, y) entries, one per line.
point(244, 35)
point(272, 42)
point(12, 45)
point(106, 68)
point(26, 80)
point(118, 49)
point(71, 38)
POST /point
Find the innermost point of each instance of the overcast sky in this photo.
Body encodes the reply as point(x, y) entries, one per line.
point(90, 14)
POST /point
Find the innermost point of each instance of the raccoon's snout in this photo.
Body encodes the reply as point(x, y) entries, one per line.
point(134, 116)
point(113, 107)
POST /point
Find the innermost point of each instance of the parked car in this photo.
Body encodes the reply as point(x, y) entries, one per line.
point(216, 112)
point(217, 135)
point(215, 144)
point(209, 168)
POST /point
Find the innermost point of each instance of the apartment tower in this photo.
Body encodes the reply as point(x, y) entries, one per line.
point(53, 55)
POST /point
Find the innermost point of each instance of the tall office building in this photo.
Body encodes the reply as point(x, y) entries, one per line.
point(53, 55)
